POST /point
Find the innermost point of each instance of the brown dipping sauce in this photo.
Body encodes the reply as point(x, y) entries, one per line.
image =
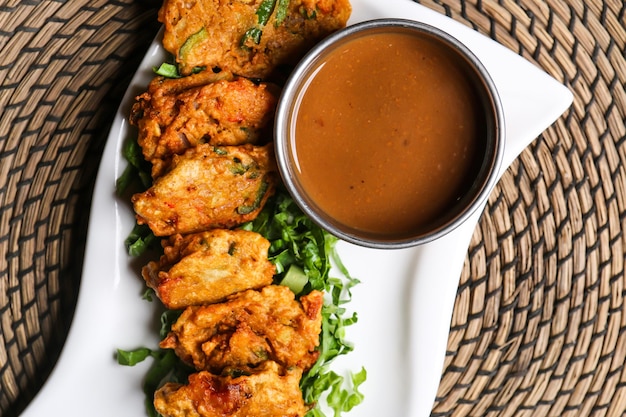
point(388, 135)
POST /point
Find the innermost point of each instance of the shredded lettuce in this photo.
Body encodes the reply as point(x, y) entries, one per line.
point(135, 178)
point(140, 240)
point(297, 241)
point(137, 171)
point(165, 367)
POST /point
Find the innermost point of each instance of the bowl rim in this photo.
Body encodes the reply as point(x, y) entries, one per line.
point(301, 73)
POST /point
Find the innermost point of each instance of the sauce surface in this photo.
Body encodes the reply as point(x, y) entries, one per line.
point(386, 134)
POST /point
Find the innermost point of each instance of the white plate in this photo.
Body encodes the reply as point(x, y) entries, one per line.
point(404, 302)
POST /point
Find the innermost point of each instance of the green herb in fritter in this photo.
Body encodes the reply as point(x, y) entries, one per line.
point(264, 13)
point(257, 200)
point(167, 70)
point(191, 42)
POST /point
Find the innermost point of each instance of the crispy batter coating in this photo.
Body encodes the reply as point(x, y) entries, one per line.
point(176, 114)
point(207, 267)
point(216, 33)
point(269, 391)
point(208, 187)
point(249, 329)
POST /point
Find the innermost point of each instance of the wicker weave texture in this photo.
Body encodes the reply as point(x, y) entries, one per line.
point(539, 321)
point(63, 70)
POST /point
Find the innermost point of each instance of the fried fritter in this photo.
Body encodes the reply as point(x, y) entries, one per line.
point(207, 267)
point(208, 187)
point(176, 114)
point(230, 36)
point(248, 329)
point(269, 391)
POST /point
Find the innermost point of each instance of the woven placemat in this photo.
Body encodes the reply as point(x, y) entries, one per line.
point(64, 66)
point(539, 321)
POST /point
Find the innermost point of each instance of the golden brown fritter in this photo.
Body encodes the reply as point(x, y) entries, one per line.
point(217, 33)
point(207, 267)
point(176, 114)
point(208, 187)
point(248, 329)
point(269, 391)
